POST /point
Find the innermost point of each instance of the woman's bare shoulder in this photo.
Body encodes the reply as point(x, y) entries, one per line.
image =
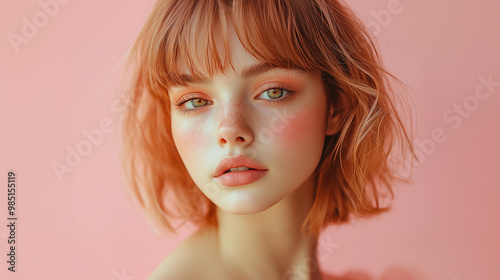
point(189, 259)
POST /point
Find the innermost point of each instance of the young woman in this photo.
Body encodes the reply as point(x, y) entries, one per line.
point(262, 122)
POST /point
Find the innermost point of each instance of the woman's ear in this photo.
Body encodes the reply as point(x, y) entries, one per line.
point(336, 113)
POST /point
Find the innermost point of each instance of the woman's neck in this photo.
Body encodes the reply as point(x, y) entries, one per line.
point(270, 244)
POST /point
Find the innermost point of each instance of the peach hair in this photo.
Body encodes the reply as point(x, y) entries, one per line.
point(357, 169)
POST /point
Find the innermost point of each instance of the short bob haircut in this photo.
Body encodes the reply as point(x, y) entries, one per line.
point(356, 172)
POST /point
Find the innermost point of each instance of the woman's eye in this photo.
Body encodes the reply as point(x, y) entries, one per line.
point(188, 105)
point(196, 103)
point(191, 103)
point(274, 93)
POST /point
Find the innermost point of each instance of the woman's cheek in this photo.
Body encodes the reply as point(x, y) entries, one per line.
point(189, 141)
point(305, 127)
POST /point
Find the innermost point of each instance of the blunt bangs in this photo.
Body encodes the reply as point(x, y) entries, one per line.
point(193, 38)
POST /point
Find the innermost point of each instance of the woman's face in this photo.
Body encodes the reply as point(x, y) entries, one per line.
point(275, 117)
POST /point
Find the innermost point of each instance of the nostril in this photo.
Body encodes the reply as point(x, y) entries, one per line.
point(237, 139)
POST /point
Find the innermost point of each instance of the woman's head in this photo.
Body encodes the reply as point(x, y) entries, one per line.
point(196, 102)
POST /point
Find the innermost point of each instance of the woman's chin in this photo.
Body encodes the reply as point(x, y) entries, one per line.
point(243, 207)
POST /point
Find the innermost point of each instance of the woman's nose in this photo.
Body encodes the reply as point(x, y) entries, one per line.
point(234, 129)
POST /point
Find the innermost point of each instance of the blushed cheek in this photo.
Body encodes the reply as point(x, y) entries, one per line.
point(304, 130)
point(190, 143)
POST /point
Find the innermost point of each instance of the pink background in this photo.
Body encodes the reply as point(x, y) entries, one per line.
point(63, 81)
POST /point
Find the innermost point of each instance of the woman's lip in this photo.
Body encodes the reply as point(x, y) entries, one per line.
point(236, 161)
point(239, 178)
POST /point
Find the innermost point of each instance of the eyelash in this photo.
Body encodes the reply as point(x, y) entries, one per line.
point(284, 99)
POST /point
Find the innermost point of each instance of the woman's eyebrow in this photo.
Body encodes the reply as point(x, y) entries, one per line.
point(184, 79)
point(250, 71)
point(257, 69)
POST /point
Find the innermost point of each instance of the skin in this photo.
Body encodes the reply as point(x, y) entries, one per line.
point(259, 234)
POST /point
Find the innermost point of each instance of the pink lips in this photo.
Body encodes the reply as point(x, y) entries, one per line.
point(237, 178)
